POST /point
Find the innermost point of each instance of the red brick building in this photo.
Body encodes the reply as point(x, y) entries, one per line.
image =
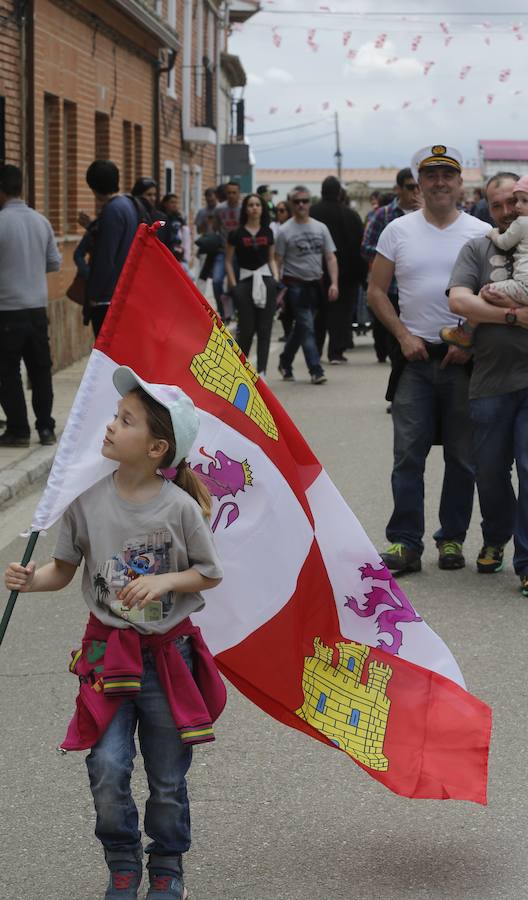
point(134, 81)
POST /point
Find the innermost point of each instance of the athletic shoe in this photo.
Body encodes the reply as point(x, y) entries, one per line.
point(166, 887)
point(490, 559)
point(450, 555)
point(461, 336)
point(287, 374)
point(318, 379)
point(8, 439)
point(524, 585)
point(399, 558)
point(338, 360)
point(124, 881)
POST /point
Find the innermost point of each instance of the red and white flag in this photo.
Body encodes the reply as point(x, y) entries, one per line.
point(308, 623)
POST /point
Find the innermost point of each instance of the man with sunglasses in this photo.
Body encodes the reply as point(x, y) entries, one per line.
point(301, 244)
point(407, 200)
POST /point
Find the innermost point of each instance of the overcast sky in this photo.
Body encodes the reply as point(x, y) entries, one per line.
point(292, 72)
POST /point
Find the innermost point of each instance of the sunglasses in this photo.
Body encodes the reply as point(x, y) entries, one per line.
point(301, 200)
point(281, 209)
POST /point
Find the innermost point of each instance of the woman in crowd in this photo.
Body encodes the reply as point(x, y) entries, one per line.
point(255, 293)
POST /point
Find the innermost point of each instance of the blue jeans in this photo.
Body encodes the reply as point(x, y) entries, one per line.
point(428, 397)
point(166, 758)
point(218, 276)
point(500, 436)
point(302, 298)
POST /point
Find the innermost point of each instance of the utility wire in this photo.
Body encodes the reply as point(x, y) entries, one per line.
point(290, 128)
point(292, 143)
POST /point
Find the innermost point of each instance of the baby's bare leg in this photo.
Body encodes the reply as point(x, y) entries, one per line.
point(505, 293)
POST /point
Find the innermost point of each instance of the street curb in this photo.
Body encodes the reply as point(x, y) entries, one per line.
point(19, 478)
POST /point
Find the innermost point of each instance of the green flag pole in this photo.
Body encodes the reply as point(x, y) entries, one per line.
point(14, 594)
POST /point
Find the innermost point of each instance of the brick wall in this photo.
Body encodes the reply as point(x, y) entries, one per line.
point(10, 82)
point(92, 88)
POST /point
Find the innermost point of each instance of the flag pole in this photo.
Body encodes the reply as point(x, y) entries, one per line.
point(14, 594)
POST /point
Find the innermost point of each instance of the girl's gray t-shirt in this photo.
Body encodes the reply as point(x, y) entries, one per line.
point(120, 541)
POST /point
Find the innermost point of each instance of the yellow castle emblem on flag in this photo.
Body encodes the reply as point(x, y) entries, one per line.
point(351, 714)
point(220, 369)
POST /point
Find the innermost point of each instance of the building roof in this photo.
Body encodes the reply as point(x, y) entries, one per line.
point(515, 150)
point(380, 175)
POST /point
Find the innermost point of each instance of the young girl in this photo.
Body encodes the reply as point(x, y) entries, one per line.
point(254, 295)
point(148, 553)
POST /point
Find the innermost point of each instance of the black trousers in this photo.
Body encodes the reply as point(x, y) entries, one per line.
point(255, 320)
point(334, 317)
point(24, 336)
point(97, 317)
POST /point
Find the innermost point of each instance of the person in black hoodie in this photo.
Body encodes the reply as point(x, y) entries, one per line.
point(346, 229)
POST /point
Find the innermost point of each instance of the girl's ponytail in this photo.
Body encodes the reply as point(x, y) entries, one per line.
point(190, 482)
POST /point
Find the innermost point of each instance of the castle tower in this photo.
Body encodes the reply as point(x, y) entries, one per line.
point(352, 657)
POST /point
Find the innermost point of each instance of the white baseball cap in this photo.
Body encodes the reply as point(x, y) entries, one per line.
point(185, 420)
point(436, 155)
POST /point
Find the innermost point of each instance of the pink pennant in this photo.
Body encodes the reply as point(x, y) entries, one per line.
point(448, 40)
point(311, 40)
point(326, 104)
point(376, 107)
point(416, 41)
point(464, 72)
point(445, 27)
point(273, 109)
point(275, 36)
point(434, 101)
point(487, 40)
point(349, 103)
point(379, 43)
point(391, 59)
point(406, 104)
point(516, 93)
point(249, 118)
point(346, 37)
point(325, 9)
point(504, 74)
point(489, 99)
point(461, 101)
point(427, 66)
point(299, 109)
point(351, 54)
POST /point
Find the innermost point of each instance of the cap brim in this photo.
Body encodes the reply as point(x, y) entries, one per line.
point(125, 380)
point(432, 162)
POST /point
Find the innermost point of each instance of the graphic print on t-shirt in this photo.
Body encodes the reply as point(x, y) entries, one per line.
point(147, 554)
point(306, 243)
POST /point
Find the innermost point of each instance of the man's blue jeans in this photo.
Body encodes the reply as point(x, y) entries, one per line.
point(218, 276)
point(110, 764)
point(302, 299)
point(428, 398)
point(500, 436)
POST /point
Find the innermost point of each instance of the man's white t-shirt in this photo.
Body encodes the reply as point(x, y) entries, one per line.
point(423, 257)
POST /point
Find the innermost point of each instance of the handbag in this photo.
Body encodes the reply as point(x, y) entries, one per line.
point(77, 290)
point(208, 243)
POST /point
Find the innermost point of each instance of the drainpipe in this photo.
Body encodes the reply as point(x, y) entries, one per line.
point(27, 100)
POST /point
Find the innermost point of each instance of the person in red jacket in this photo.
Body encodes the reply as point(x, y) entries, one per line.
point(149, 553)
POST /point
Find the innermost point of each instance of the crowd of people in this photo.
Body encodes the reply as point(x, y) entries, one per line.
point(449, 297)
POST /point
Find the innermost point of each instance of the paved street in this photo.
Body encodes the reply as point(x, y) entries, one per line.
point(276, 814)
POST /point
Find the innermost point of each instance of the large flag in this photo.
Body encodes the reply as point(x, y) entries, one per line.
point(307, 623)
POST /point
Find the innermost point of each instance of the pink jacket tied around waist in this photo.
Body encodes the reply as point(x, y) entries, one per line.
point(110, 666)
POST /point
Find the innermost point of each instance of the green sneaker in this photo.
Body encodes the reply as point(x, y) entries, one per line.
point(450, 555)
point(490, 559)
point(399, 558)
point(524, 585)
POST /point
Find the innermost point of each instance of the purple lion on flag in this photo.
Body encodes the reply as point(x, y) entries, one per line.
point(225, 477)
point(400, 609)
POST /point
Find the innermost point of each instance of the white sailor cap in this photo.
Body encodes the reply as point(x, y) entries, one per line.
point(437, 155)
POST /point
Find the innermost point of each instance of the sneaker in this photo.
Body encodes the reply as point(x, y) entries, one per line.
point(287, 374)
point(47, 437)
point(320, 378)
point(166, 887)
point(8, 439)
point(124, 882)
point(338, 360)
point(399, 558)
point(490, 559)
point(524, 585)
point(450, 555)
point(461, 336)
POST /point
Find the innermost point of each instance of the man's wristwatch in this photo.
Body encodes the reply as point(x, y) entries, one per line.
point(511, 317)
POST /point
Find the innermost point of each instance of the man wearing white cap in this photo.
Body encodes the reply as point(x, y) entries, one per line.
point(431, 395)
